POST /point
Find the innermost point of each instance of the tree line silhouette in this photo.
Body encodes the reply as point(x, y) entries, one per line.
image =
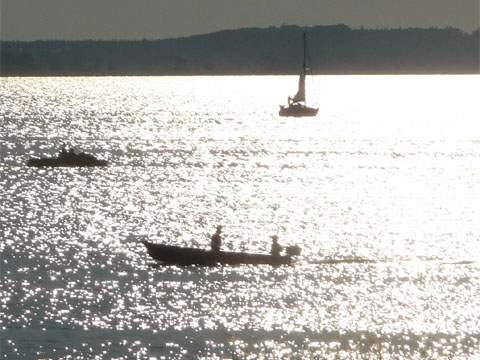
point(336, 49)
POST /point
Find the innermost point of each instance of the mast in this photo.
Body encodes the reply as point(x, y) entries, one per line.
point(300, 95)
point(304, 52)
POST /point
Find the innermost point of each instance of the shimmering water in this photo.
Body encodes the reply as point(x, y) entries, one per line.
point(388, 171)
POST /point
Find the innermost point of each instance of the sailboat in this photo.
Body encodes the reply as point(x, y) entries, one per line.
point(297, 106)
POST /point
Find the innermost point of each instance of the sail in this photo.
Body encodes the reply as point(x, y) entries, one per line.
point(300, 95)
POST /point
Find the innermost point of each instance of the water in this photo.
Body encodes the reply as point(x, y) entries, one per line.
point(388, 171)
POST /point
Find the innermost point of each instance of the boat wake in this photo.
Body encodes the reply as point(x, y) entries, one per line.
point(343, 261)
point(384, 261)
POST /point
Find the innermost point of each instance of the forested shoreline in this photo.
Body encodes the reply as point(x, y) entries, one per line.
point(335, 49)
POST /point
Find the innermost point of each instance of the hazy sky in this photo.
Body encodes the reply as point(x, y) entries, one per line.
point(152, 19)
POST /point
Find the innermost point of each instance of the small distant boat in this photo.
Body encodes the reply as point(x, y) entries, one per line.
point(175, 255)
point(69, 158)
point(297, 106)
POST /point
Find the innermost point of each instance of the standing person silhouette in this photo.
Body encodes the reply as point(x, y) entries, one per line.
point(216, 240)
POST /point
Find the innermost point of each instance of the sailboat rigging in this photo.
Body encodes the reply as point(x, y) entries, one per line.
point(297, 105)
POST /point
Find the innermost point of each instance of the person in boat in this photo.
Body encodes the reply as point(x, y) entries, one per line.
point(276, 247)
point(216, 239)
point(63, 150)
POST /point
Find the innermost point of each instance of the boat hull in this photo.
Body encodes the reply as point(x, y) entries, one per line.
point(297, 111)
point(175, 255)
point(56, 162)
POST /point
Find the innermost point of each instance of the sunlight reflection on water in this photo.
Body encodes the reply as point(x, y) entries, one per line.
point(394, 184)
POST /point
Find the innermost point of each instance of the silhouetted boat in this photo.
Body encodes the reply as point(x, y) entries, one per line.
point(68, 158)
point(297, 106)
point(176, 255)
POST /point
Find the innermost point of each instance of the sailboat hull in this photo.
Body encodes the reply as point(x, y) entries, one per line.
point(297, 111)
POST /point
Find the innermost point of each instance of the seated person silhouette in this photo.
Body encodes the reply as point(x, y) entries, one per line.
point(216, 240)
point(276, 247)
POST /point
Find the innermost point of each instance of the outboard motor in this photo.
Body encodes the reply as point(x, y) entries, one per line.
point(294, 250)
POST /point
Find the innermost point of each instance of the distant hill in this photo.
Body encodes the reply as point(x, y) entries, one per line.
point(334, 49)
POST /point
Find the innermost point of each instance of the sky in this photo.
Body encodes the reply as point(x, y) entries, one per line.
point(160, 19)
